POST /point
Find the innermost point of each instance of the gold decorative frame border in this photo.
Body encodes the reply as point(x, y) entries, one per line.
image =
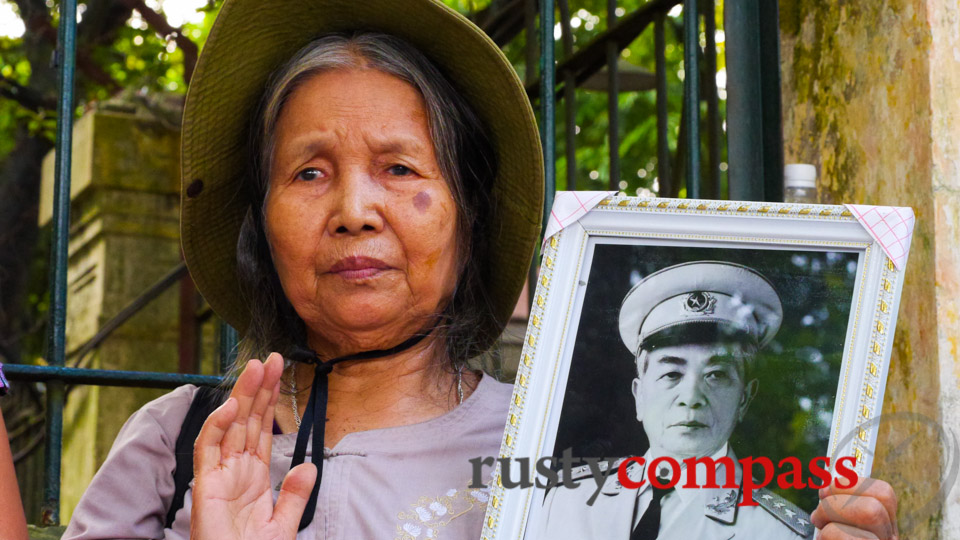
point(883, 318)
point(518, 400)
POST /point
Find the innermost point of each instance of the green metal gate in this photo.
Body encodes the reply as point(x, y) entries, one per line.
point(754, 148)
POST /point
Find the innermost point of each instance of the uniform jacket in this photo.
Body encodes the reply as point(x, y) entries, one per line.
point(692, 514)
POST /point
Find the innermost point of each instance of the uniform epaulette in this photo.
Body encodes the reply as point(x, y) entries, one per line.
point(787, 512)
point(583, 471)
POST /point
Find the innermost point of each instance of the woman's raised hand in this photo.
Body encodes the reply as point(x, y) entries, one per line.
point(232, 495)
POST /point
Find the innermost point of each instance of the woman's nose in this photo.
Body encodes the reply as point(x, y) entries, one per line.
point(359, 205)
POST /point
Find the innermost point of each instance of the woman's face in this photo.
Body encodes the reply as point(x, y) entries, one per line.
point(360, 221)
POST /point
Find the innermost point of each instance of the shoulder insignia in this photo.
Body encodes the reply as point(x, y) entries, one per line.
point(721, 505)
point(787, 512)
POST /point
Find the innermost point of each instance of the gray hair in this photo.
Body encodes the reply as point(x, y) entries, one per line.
point(464, 154)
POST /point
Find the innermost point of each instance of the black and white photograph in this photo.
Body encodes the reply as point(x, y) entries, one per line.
point(672, 342)
point(701, 352)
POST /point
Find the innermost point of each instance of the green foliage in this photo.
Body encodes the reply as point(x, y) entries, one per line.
point(142, 61)
point(638, 124)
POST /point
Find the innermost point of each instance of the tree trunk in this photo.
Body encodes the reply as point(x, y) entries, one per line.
point(19, 203)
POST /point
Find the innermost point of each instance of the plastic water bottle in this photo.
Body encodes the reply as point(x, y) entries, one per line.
point(800, 183)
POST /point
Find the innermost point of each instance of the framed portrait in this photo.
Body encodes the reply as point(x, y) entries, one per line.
point(685, 329)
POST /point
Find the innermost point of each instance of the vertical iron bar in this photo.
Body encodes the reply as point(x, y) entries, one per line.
point(744, 100)
point(56, 333)
point(547, 105)
point(569, 98)
point(663, 141)
point(548, 91)
point(691, 95)
point(769, 26)
point(712, 188)
point(228, 346)
point(531, 53)
point(613, 96)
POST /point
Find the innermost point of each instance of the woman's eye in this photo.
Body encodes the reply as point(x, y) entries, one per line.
point(308, 175)
point(399, 170)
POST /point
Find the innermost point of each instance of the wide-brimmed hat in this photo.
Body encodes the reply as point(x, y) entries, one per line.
point(252, 38)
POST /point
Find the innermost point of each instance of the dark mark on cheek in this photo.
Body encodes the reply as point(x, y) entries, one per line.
point(421, 201)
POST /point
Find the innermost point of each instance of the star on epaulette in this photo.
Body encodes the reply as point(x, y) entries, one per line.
point(785, 511)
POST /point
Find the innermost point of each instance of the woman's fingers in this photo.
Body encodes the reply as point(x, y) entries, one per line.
point(837, 531)
point(206, 450)
point(868, 487)
point(244, 391)
point(293, 497)
point(849, 512)
point(266, 429)
point(272, 370)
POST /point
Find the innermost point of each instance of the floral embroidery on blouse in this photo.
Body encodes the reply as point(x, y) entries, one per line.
point(430, 514)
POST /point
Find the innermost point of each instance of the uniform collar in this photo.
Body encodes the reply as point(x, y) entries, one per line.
point(719, 504)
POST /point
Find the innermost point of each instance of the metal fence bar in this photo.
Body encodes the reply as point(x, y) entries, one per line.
point(530, 32)
point(711, 180)
point(663, 141)
point(769, 29)
point(744, 134)
point(691, 95)
point(56, 333)
point(569, 97)
point(590, 58)
point(613, 103)
point(228, 346)
point(106, 377)
point(547, 106)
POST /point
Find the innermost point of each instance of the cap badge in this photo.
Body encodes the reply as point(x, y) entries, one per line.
point(700, 302)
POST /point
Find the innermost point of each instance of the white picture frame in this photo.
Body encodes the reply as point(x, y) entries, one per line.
point(567, 257)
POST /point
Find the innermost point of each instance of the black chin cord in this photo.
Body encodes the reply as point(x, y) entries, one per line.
point(315, 417)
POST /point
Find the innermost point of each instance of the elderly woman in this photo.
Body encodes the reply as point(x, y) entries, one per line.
point(362, 196)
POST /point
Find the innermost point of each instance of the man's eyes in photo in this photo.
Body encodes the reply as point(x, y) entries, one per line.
point(672, 375)
point(723, 369)
point(718, 376)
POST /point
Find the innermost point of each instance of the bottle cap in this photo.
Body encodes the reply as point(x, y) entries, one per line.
point(800, 175)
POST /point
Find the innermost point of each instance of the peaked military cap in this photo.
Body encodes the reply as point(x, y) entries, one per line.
point(698, 296)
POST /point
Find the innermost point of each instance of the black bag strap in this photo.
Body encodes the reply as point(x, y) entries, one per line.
point(205, 401)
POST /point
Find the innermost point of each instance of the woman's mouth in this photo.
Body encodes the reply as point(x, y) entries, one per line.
point(354, 268)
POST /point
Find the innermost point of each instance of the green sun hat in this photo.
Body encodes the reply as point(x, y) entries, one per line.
point(252, 38)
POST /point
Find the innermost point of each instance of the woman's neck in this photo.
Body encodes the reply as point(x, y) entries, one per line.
point(406, 388)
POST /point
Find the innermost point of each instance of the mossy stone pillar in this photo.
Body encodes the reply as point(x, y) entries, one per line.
point(124, 236)
point(871, 96)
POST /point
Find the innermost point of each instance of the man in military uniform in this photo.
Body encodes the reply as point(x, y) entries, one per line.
point(694, 329)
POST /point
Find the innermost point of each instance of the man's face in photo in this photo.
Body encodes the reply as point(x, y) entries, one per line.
point(690, 397)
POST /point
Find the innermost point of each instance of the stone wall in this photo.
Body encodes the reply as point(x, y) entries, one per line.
point(124, 236)
point(871, 95)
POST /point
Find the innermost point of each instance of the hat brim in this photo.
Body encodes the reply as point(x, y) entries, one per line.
point(251, 38)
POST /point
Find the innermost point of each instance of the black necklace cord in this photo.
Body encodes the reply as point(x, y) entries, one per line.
point(315, 417)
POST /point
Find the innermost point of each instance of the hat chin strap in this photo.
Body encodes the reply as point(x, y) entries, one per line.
point(315, 417)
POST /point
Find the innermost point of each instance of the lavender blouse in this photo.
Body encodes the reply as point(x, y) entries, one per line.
point(408, 482)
